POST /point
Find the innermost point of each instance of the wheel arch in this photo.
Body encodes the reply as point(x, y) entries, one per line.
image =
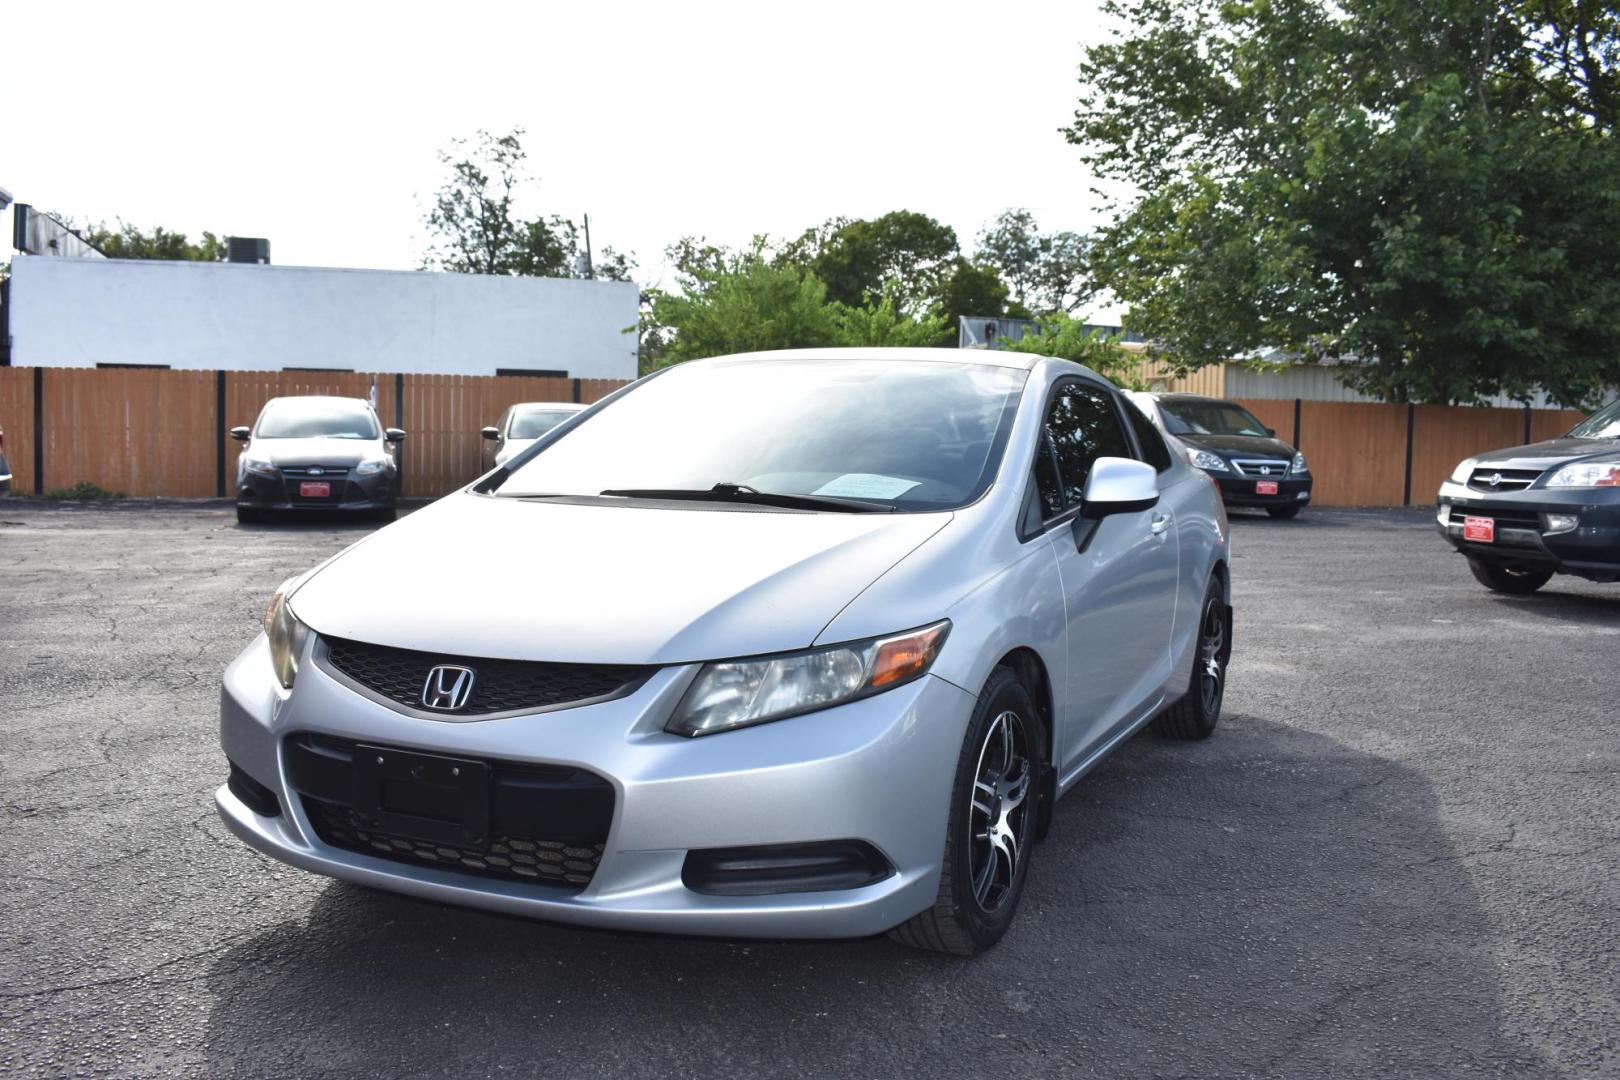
point(1027, 665)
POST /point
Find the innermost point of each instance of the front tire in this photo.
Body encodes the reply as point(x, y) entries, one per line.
point(1507, 579)
point(1199, 710)
point(991, 828)
point(247, 515)
point(1284, 512)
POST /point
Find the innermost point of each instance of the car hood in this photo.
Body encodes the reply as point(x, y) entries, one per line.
point(1546, 454)
point(347, 452)
point(476, 575)
point(1240, 444)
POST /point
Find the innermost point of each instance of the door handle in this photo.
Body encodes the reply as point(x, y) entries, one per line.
point(1161, 522)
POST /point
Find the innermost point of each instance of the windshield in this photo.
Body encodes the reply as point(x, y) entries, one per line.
point(316, 419)
point(1603, 424)
point(532, 425)
point(914, 435)
point(1210, 418)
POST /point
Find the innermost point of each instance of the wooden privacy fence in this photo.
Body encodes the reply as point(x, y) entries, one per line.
point(157, 432)
point(1364, 454)
point(152, 432)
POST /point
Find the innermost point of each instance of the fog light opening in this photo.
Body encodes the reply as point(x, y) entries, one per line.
point(1563, 523)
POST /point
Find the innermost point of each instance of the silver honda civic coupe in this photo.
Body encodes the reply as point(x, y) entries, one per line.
point(797, 644)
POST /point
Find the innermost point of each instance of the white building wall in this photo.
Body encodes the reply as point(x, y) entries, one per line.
point(247, 317)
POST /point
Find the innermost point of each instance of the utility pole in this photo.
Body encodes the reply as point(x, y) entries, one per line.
point(590, 263)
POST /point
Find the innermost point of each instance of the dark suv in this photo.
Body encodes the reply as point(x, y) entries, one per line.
point(1523, 514)
point(1250, 465)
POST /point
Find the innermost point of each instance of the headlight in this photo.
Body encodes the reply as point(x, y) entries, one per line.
point(259, 467)
point(287, 636)
point(1463, 471)
point(1203, 459)
point(372, 467)
point(737, 693)
point(1592, 475)
point(1299, 465)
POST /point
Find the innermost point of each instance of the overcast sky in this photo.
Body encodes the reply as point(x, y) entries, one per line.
point(318, 125)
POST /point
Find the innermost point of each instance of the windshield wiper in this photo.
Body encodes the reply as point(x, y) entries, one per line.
point(742, 493)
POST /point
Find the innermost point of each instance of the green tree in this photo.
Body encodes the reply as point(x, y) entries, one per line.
point(740, 302)
point(973, 289)
point(1431, 190)
point(1067, 338)
point(903, 255)
point(1043, 272)
point(879, 322)
point(474, 226)
point(126, 241)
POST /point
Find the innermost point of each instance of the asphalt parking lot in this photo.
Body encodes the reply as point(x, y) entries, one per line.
point(1399, 855)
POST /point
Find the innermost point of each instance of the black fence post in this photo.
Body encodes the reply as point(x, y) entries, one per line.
point(576, 392)
point(1296, 423)
point(1411, 422)
point(1527, 424)
point(39, 431)
point(219, 434)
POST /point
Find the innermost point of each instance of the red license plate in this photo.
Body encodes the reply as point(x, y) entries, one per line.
point(1265, 487)
point(1480, 530)
point(315, 489)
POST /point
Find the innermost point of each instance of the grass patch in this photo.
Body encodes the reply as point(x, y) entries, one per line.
point(84, 490)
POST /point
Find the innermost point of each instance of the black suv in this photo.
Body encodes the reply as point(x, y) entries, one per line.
point(1248, 462)
point(1523, 514)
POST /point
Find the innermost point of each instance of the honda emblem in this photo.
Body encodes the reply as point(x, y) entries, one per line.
point(447, 688)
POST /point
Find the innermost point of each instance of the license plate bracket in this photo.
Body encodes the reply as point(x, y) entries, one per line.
point(315, 489)
point(1480, 530)
point(442, 800)
point(1265, 487)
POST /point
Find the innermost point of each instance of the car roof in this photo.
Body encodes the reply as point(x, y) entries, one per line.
point(318, 397)
point(532, 406)
point(993, 357)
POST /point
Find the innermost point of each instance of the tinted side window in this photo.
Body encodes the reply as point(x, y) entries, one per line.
point(1154, 451)
point(1084, 427)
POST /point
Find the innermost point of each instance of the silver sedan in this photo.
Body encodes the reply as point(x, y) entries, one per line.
point(797, 644)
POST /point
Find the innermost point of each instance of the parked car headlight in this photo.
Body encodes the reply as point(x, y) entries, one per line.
point(1464, 469)
point(287, 636)
point(372, 467)
point(1203, 459)
point(1590, 475)
point(737, 693)
point(259, 467)
point(1299, 465)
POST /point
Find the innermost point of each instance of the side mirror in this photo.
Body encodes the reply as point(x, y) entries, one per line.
point(492, 433)
point(241, 434)
point(394, 434)
point(1119, 486)
point(1272, 432)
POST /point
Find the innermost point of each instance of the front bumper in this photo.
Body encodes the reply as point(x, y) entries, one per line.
point(1591, 550)
point(878, 770)
point(1236, 490)
point(349, 492)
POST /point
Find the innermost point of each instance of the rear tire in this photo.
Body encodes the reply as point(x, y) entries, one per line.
point(1199, 710)
point(1505, 579)
point(991, 828)
point(1284, 511)
point(247, 515)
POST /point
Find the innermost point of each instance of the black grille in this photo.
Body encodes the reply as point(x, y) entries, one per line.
point(1252, 468)
point(498, 685)
point(1505, 518)
point(547, 823)
point(514, 858)
point(1507, 479)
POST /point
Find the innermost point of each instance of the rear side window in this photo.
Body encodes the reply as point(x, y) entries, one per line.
point(1084, 426)
point(1154, 451)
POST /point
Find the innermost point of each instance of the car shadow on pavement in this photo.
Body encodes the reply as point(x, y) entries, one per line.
point(1268, 902)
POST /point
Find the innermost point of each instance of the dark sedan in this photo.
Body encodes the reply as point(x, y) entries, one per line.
point(317, 454)
point(1526, 513)
point(1248, 462)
